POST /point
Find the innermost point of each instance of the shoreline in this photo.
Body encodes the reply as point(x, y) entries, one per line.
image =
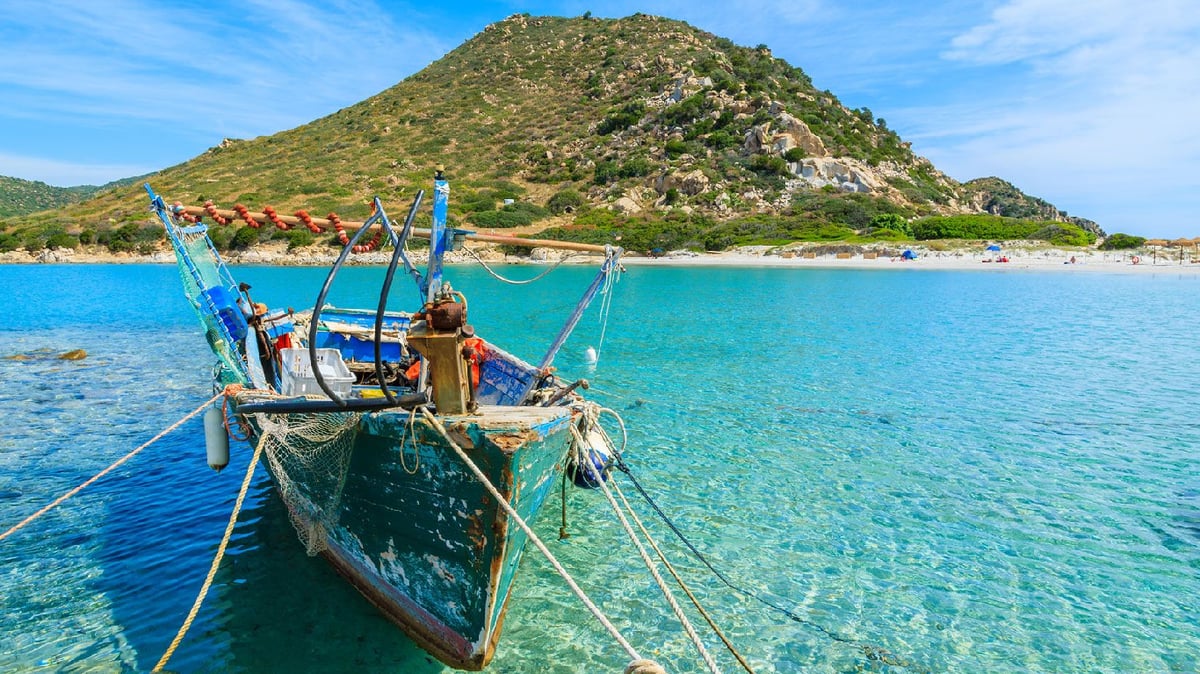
point(1043, 261)
point(1040, 260)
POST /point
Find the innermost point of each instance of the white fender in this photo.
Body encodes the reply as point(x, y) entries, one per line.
point(216, 438)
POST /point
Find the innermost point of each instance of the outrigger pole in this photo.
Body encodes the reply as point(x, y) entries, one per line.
point(200, 211)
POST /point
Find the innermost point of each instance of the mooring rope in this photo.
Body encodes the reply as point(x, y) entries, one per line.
point(533, 538)
point(212, 570)
point(19, 525)
point(605, 309)
point(871, 652)
point(498, 277)
point(686, 590)
point(662, 585)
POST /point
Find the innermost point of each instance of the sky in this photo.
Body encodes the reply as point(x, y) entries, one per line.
point(1088, 104)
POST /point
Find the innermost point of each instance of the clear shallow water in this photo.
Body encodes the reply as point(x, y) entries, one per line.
point(974, 471)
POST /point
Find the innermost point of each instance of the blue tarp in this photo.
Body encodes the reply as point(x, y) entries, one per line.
point(908, 255)
point(994, 247)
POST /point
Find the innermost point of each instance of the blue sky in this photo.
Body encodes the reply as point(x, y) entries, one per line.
point(1089, 105)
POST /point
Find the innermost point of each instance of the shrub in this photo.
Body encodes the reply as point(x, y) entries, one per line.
point(61, 240)
point(298, 238)
point(686, 111)
point(245, 237)
point(605, 172)
point(1121, 241)
point(1061, 234)
point(565, 201)
point(675, 148)
point(892, 221)
point(884, 235)
point(480, 201)
point(9, 242)
point(221, 237)
point(635, 168)
point(795, 154)
point(991, 227)
point(123, 238)
point(769, 165)
point(721, 140)
point(622, 119)
point(512, 215)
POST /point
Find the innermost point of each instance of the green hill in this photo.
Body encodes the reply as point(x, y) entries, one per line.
point(21, 197)
point(642, 127)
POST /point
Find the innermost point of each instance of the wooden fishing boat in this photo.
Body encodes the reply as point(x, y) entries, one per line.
point(389, 434)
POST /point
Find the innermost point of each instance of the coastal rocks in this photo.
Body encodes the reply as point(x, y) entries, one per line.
point(690, 183)
point(681, 86)
point(46, 354)
point(56, 255)
point(15, 257)
point(756, 140)
point(782, 134)
point(845, 174)
point(626, 206)
point(793, 132)
point(785, 133)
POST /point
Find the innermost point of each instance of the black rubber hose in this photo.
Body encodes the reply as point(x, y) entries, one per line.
point(307, 406)
point(316, 316)
point(387, 289)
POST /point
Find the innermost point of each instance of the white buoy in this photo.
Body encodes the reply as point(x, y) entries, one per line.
point(589, 356)
point(216, 438)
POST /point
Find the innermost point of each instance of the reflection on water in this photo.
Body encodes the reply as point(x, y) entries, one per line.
point(284, 611)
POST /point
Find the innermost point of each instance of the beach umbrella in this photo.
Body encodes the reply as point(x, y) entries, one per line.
point(1181, 242)
point(1155, 242)
point(908, 255)
point(994, 247)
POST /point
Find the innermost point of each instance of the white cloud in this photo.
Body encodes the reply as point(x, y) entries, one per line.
point(210, 71)
point(1086, 102)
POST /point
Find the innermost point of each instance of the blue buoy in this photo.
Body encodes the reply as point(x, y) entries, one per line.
point(589, 464)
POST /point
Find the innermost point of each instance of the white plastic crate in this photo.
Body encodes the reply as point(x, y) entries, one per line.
point(298, 379)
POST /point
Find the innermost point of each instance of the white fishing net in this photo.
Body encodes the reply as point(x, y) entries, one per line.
point(309, 456)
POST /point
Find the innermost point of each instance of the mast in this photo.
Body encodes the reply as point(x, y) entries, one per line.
point(439, 236)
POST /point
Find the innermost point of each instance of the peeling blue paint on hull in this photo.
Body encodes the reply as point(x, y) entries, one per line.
point(422, 539)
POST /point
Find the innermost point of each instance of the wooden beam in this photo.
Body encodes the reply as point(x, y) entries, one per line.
point(352, 226)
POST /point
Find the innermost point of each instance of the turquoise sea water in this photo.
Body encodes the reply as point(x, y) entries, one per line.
point(972, 471)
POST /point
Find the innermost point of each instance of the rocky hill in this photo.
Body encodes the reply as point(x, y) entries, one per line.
point(1000, 197)
point(584, 123)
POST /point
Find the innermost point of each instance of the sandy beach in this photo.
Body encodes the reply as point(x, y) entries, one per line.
point(1046, 260)
point(1008, 261)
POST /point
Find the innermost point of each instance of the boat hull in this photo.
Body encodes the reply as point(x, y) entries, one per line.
point(418, 534)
